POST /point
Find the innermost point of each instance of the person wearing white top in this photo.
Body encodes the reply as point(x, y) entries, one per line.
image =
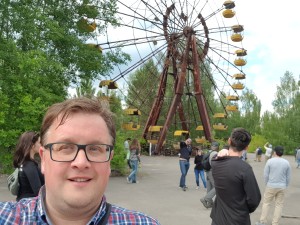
point(269, 151)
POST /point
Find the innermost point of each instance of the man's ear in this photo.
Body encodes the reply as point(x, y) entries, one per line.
point(229, 141)
point(111, 154)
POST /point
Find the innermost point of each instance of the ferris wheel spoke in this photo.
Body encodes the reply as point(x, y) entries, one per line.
point(130, 42)
point(132, 17)
point(140, 62)
point(138, 16)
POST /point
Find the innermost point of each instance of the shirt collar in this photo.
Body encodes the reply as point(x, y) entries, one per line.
point(42, 214)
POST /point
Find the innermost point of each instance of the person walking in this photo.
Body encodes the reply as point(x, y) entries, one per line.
point(207, 200)
point(30, 177)
point(268, 153)
point(127, 151)
point(184, 163)
point(134, 158)
point(277, 176)
point(199, 170)
point(237, 191)
point(298, 157)
point(258, 154)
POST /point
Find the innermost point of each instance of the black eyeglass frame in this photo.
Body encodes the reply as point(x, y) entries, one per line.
point(80, 147)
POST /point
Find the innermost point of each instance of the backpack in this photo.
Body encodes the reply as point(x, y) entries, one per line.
point(13, 181)
point(259, 151)
point(205, 161)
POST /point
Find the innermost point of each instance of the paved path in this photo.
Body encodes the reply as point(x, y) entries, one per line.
point(158, 195)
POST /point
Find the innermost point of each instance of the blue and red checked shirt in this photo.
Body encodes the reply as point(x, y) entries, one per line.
point(32, 211)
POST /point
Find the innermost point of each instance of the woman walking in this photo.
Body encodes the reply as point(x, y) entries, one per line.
point(134, 158)
point(199, 170)
point(184, 163)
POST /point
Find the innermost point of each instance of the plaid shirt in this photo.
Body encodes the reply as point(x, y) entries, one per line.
point(32, 211)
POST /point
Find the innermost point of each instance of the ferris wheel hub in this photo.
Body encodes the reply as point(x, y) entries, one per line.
point(188, 31)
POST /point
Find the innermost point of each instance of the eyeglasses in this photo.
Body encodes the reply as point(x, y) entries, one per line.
point(67, 152)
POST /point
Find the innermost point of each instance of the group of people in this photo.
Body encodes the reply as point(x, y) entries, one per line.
point(234, 185)
point(75, 145)
point(69, 184)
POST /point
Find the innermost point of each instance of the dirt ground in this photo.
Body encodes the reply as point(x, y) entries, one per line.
point(157, 193)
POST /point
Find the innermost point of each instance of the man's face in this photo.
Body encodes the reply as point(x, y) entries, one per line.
point(79, 183)
point(188, 142)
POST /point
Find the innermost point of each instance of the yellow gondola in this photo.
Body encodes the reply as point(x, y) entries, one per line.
point(200, 127)
point(241, 52)
point(109, 83)
point(220, 126)
point(236, 37)
point(232, 98)
point(133, 112)
point(131, 126)
point(85, 26)
point(228, 13)
point(154, 141)
point(238, 86)
point(237, 28)
point(155, 128)
point(229, 4)
point(232, 108)
point(153, 134)
point(239, 76)
point(181, 132)
point(220, 115)
point(98, 47)
point(240, 62)
point(201, 140)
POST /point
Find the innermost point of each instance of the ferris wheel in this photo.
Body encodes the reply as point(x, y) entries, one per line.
point(193, 44)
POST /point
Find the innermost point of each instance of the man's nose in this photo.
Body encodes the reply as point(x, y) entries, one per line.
point(81, 159)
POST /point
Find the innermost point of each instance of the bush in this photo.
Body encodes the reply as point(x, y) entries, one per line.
point(6, 162)
point(118, 162)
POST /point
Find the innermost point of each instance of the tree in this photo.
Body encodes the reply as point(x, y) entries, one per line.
point(280, 127)
point(42, 51)
point(250, 111)
point(86, 89)
point(285, 94)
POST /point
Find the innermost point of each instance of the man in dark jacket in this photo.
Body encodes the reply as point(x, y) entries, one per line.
point(237, 191)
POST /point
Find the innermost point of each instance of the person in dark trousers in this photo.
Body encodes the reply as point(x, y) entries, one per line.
point(207, 200)
point(199, 170)
point(237, 191)
point(30, 177)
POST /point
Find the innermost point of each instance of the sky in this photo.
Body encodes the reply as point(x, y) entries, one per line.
point(271, 37)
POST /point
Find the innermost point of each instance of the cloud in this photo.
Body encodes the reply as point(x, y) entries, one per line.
point(271, 38)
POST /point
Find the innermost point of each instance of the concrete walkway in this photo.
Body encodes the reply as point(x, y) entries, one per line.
point(157, 193)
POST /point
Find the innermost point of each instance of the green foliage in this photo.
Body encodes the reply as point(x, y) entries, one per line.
point(281, 126)
point(257, 141)
point(118, 162)
point(6, 162)
point(41, 53)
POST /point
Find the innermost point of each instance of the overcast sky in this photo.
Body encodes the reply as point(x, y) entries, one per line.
point(272, 33)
